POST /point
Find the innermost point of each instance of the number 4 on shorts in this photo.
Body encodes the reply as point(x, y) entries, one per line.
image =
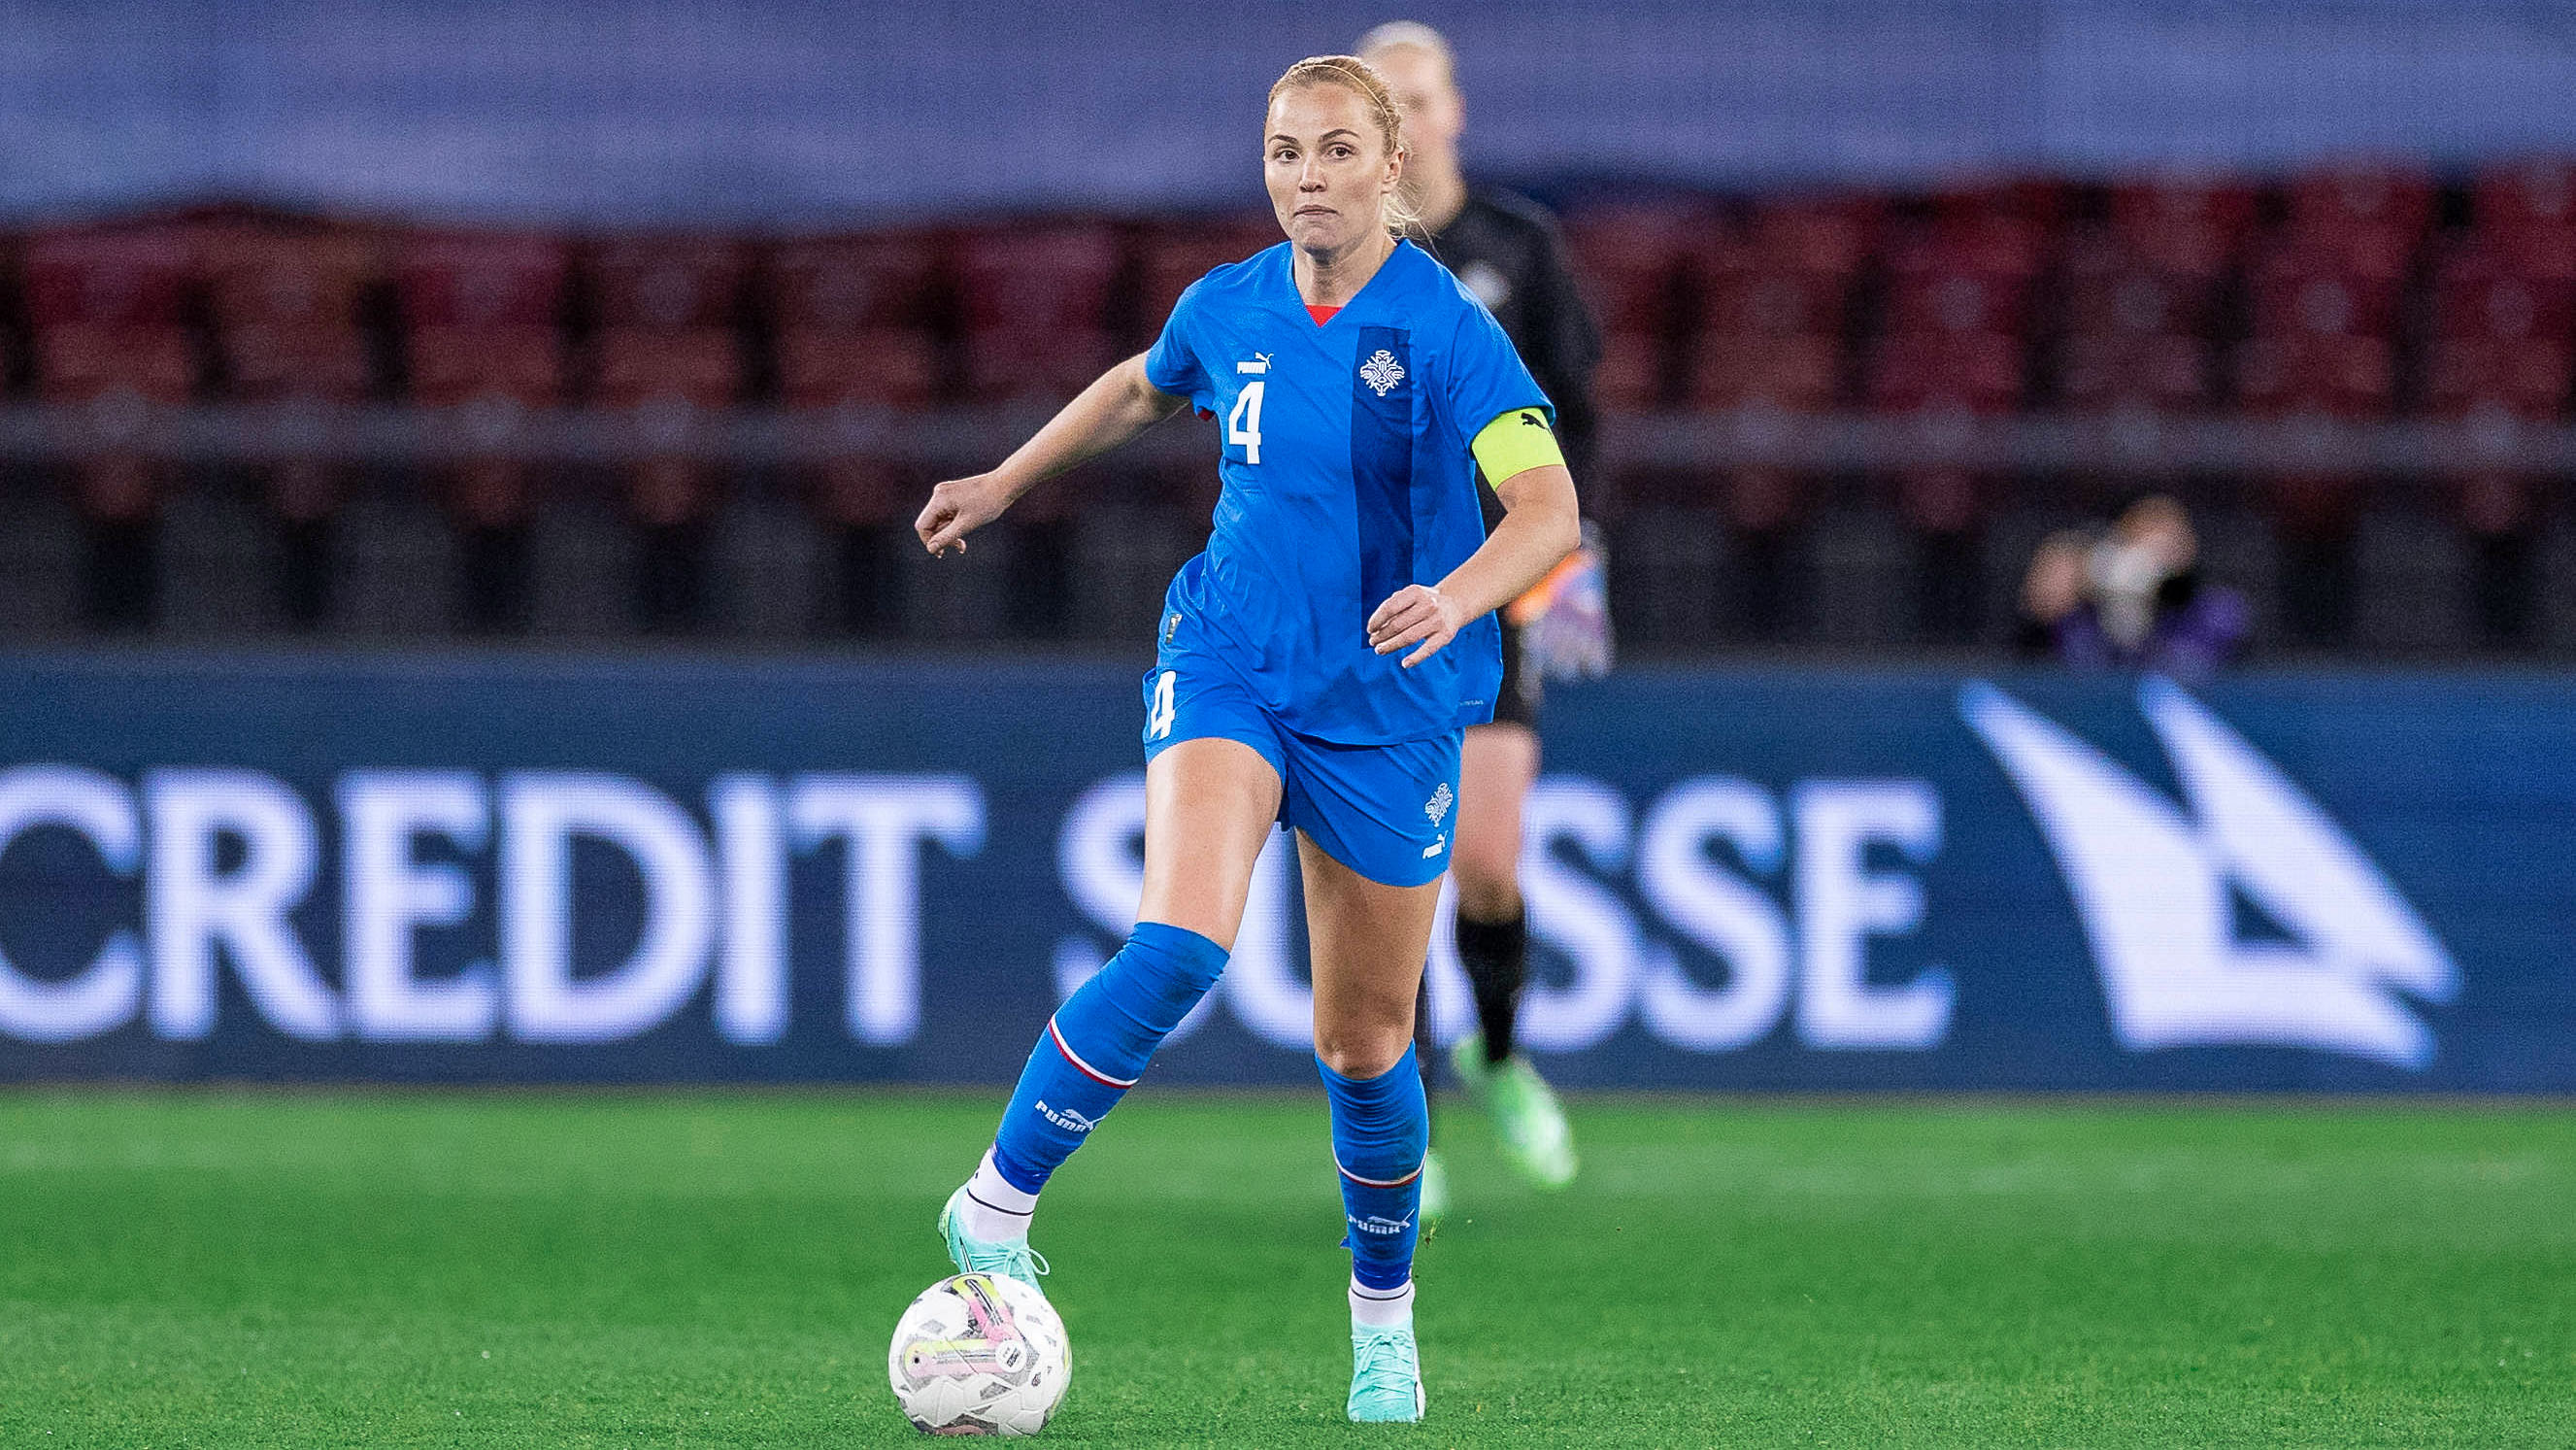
point(1158, 719)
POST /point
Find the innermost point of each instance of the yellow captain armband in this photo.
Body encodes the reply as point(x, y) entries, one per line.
point(1516, 442)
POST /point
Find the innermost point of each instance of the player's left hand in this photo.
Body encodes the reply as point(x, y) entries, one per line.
point(1416, 613)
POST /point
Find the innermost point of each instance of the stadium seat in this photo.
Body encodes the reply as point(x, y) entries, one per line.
point(139, 275)
point(1035, 303)
point(1978, 372)
point(491, 279)
point(1795, 372)
point(1970, 274)
point(2158, 371)
point(858, 282)
point(286, 307)
point(669, 283)
point(2361, 197)
point(2482, 287)
point(483, 319)
point(290, 275)
point(1631, 262)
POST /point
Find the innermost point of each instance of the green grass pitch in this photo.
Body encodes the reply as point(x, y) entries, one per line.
point(353, 1269)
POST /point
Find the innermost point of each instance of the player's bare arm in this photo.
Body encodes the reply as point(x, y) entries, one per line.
point(1116, 407)
point(1541, 525)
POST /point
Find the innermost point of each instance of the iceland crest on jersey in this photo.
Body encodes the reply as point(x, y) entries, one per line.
point(2152, 885)
point(1381, 372)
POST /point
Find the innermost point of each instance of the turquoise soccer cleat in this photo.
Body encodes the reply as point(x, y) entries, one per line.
point(971, 1256)
point(1528, 1118)
point(1386, 1377)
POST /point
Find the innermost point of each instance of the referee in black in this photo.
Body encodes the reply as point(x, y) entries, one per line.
point(1506, 249)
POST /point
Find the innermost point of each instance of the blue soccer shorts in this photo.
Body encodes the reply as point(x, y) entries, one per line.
point(1385, 811)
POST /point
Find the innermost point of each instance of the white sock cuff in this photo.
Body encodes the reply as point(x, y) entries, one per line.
point(994, 1211)
point(1381, 1308)
point(991, 1189)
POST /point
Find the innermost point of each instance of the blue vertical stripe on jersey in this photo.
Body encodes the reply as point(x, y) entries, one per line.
point(1382, 461)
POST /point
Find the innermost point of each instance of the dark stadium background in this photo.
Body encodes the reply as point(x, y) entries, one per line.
point(785, 263)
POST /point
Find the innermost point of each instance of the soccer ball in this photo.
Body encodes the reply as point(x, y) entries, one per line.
point(979, 1354)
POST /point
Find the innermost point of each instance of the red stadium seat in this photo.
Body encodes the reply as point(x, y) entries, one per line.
point(2518, 377)
point(286, 305)
point(267, 361)
point(2301, 291)
point(2336, 375)
point(669, 282)
point(2161, 372)
point(305, 276)
point(857, 283)
point(1038, 278)
point(885, 367)
point(482, 280)
point(521, 364)
point(2481, 289)
point(2185, 227)
point(1630, 259)
point(1795, 373)
point(1829, 235)
point(1964, 275)
point(696, 367)
point(2534, 195)
point(1744, 291)
point(78, 362)
point(1977, 372)
point(137, 276)
point(2105, 286)
point(1176, 254)
point(2361, 197)
point(1632, 374)
point(1036, 303)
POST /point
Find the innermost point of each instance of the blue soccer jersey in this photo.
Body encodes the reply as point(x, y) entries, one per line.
point(1347, 475)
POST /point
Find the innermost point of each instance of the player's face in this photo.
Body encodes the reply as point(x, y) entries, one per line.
point(1327, 167)
point(1426, 94)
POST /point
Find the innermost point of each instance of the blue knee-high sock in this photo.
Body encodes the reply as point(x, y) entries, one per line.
point(1381, 1128)
point(1096, 1046)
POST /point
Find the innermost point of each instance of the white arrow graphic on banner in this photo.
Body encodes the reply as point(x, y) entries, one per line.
point(2151, 882)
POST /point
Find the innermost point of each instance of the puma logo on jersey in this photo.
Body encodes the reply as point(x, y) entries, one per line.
point(1381, 372)
point(1533, 420)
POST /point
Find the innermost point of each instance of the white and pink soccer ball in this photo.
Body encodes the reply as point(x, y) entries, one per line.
point(979, 1354)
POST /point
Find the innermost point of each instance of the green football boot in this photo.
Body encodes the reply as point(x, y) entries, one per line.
point(1386, 1377)
point(971, 1256)
point(1528, 1118)
point(1435, 1192)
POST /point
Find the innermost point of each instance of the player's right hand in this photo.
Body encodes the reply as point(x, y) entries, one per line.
point(957, 508)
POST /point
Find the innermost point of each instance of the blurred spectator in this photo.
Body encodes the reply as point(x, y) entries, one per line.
point(2132, 599)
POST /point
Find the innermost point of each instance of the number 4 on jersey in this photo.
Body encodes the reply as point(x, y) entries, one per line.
point(1243, 425)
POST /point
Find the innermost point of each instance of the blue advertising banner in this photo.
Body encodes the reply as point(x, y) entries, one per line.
point(527, 868)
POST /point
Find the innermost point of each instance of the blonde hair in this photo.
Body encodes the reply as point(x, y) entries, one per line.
point(1360, 76)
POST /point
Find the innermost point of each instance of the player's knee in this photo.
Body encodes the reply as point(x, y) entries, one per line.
point(1363, 1050)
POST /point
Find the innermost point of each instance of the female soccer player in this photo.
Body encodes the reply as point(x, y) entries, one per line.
point(1317, 665)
